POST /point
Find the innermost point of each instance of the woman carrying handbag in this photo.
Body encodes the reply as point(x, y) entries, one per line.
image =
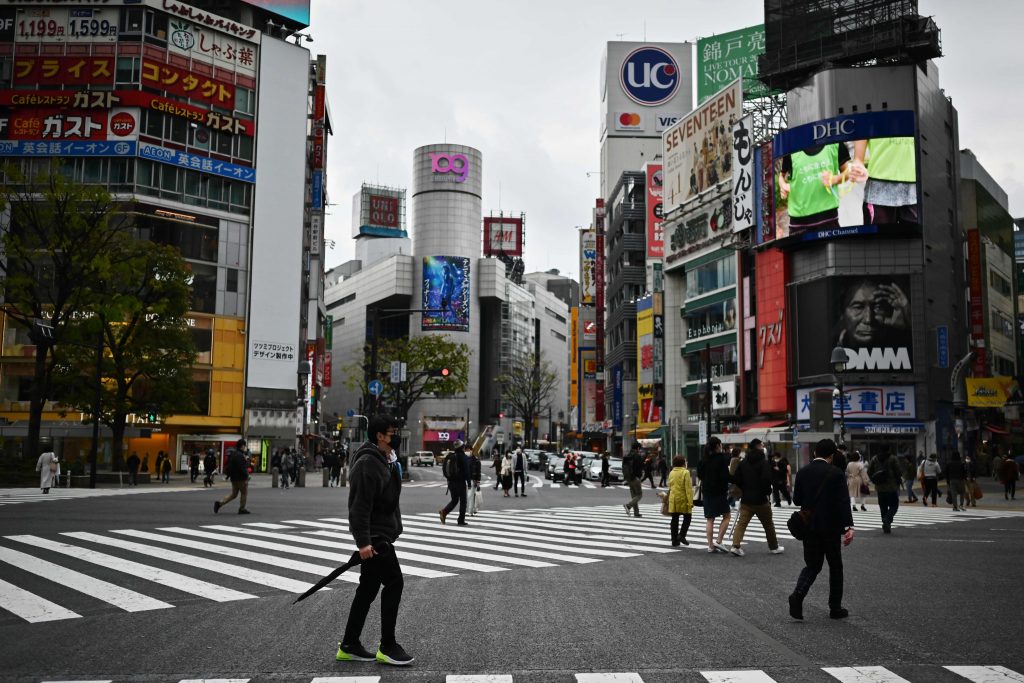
point(857, 481)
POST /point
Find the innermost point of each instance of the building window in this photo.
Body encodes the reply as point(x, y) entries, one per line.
point(201, 391)
point(711, 277)
point(711, 319)
point(556, 316)
point(1001, 324)
point(202, 337)
point(724, 363)
point(128, 72)
point(559, 336)
point(347, 299)
point(231, 283)
point(204, 287)
point(999, 283)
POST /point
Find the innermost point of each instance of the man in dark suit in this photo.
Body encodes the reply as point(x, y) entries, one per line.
point(820, 487)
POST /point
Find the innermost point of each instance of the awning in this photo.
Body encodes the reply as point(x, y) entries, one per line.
point(997, 430)
point(764, 425)
point(662, 432)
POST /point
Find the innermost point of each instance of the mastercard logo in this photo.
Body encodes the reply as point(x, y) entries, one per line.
point(629, 119)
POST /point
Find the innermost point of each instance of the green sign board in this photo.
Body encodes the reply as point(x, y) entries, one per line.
point(723, 58)
point(329, 332)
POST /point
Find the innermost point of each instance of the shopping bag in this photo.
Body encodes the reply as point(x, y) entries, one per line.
point(976, 492)
point(664, 502)
point(475, 500)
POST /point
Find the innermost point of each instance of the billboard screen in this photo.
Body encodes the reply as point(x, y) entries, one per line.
point(446, 291)
point(503, 236)
point(723, 58)
point(869, 316)
point(847, 175)
point(698, 149)
point(296, 10)
point(655, 211)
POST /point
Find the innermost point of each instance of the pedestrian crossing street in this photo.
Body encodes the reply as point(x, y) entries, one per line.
point(861, 674)
point(17, 496)
point(73, 574)
point(535, 481)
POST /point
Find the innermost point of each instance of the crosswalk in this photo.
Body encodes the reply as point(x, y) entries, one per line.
point(18, 496)
point(73, 574)
point(534, 481)
point(860, 674)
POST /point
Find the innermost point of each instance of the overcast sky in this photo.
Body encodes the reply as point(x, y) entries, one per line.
point(519, 81)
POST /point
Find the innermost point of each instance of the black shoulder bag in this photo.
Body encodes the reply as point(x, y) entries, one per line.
point(799, 522)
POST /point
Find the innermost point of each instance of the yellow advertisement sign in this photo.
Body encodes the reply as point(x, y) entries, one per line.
point(574, 345)
point(990, 392)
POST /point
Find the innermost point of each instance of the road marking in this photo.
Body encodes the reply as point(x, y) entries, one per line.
point(511, 545)
point(737, 677)
point(347, 547)
point(609, 678)
point(128, 600)
point(30, 606)
point(346, 679)
point(484, 678)
point(267, 525)
point(186, 584)
point(275, 560)
point(215, 680)
point(986, 674)
point(565, 532)
point(864, 674)
point(958, 540)
point(233, 570)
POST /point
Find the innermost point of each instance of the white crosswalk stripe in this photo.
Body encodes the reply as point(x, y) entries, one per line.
point(34, 495)
point(862, 674)
point(223, 562)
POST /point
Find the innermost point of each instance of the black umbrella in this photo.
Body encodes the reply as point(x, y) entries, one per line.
point(352, 562)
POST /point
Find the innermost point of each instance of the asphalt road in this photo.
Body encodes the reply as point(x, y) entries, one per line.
point(610, 595)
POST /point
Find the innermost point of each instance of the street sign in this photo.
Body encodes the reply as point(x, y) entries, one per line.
point(396, 371)
point(702, 432)
point(350, 412)
point(500, 438)
point(375, 387)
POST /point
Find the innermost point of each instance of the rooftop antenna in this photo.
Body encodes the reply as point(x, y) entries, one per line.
point(620, 35)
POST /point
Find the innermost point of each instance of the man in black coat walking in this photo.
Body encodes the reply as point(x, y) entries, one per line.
point(821, 488)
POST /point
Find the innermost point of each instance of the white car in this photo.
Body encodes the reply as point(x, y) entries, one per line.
point(421, 458)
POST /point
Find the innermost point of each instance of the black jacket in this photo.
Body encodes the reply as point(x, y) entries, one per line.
point(831, 506)
point(474, 469)
point(374, 489)
point(632, 466)
point(754, 477)
point(955, 470)
point(237, 467)
point(714, 475)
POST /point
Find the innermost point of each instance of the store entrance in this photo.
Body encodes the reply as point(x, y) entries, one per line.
point(871, 445)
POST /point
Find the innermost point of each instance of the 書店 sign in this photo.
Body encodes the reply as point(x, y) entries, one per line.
point(862, 402)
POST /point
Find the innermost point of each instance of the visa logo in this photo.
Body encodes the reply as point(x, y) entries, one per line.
point(665, 121)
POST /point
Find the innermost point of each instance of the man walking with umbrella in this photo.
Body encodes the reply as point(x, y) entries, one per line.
point(375, 521)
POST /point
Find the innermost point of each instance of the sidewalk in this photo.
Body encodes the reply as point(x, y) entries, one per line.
point(992, 498)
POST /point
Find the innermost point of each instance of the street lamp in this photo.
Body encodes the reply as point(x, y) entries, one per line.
point(839, 361)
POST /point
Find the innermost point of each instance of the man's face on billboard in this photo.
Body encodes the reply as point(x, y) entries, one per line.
point(864, 314)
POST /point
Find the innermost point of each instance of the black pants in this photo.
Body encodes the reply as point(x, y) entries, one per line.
point(520, 482)
point(677, 533)
point(888, 504)
point(194, 472)
point(648, 475)
point(1010, 489)
point(820, 547)
point(780, 491)
point(931, 488)
point(380, 570)
point(457, 489)
point(606, 479)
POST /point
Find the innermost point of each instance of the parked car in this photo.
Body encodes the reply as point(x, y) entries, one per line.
point(536, 459)
point(423, 458)
point(555, 470)
point(614, 469)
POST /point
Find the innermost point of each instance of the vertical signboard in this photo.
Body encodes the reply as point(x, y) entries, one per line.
point(655, 212)
point(723, 58)
point(574, 352)
point(599, 216)
point(975, 305)
point(445, 293)
point(743, 174)
point(771, 356)
point(588, 266)
point(698, 149)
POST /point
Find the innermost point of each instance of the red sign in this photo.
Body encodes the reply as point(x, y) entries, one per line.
point(62, 124)
point(503, 235)
point(772, 360)
point(328, 362)
point(655, 213)
point(108, 99)
point(975, 303)
point(383, 211)
point(184, 83)
point(83, 70)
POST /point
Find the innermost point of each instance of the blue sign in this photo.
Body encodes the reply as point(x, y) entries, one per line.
point(649, 76)
point(375, 387)
point(350, 413)
point(317, 184)
point(70, 148)
point(617, 397)
point(942, 344)
point(832, 233)
point(887, 427)
point(865, 126)
point(197, 163)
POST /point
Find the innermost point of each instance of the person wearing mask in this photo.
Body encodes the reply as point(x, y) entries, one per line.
point(475, 495)
point(908, 471)
point(496, 465)
point(506, 473)
point(519, 473)
point(714, 481)
point(856, 480)
point(884, 473)
point(287, 462)
point(971, 479)
point(238, 473)
point(820, 489)
point(782, 475)
point(662, 471)
point(956, 477)
point(48, 467)
point(754, 477)
point(632, 469)
point(375, 522)
point(736, 456)
point(930, 472)
point(209, 468)
point(1009, 473)
point(456, 476)
point(606, 477)
point(680, 499)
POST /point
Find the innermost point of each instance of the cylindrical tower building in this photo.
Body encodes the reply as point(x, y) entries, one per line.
point(445, 223)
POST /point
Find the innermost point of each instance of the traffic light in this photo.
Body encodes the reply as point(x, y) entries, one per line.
point(441, 372)
point(151, 417)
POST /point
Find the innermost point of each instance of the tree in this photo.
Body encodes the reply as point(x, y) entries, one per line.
point(424, 356)
point(54, 245)
point(147, 348)
point(527, 386)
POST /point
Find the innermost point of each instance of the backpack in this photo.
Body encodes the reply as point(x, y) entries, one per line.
point(880, 473)
point(450, 466)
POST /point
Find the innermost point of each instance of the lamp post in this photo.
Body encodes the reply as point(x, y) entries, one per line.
point(839, 361)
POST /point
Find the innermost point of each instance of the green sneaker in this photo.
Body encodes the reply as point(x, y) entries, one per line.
point(353, 652)
point(393, 654)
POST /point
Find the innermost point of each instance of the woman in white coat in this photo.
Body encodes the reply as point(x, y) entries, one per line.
point(49, 469)
point(856, 478)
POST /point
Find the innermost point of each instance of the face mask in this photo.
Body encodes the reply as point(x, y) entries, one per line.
point(395, 442)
